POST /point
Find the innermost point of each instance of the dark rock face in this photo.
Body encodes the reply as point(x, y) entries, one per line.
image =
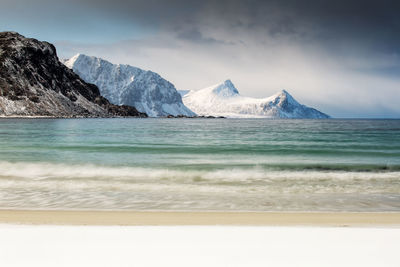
point(33, 82)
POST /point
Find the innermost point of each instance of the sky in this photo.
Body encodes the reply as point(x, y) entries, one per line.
point(341, 57)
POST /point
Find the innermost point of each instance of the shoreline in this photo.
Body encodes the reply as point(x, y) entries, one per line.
point(111, 117)
point(178, 218)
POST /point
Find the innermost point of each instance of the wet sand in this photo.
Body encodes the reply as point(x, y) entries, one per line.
point(63, 217)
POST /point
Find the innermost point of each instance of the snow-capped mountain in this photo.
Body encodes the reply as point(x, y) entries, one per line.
point(127, 85)
point(224, 100)
point(34, 83)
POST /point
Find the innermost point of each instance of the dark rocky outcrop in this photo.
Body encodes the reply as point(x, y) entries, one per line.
point(33, 82)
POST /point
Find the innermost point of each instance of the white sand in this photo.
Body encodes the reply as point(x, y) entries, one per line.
point(87, 217)
point(56, 245)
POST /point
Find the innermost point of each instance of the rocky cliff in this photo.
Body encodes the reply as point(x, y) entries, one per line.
point(33, 82)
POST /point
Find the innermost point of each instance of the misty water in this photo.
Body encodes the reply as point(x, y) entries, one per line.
point(200, 164)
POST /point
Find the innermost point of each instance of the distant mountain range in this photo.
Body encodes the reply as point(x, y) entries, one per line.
point(127, 85)
point(33, 82)
point(223, 99)
point(150, 93)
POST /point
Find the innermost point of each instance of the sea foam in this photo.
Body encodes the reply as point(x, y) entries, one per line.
point(64, 186)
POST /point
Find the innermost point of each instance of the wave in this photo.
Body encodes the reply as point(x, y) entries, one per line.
point(278, 149)
point(49, 171)
point(64, 186)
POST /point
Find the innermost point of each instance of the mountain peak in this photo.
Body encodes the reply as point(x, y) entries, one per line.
point(228, 82)
point(224, 100)
point(283, 91)
point(127, 85)
point(283, 97)
point(225, 89)
point(70, 62)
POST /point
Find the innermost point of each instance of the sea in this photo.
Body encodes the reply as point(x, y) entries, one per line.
point(200, 164)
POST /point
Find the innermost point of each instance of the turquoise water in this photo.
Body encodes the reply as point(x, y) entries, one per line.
point(200, 164)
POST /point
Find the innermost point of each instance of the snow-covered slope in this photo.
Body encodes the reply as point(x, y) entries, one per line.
point(224, 100)
point(127, 85)
point(34, 83)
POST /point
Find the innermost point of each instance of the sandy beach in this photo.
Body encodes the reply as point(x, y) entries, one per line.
point(58, 217)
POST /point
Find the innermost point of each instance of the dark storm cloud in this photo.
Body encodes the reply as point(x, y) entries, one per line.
point(342, 55)
point(375, 22)
point(337, 23)
point(194, 35)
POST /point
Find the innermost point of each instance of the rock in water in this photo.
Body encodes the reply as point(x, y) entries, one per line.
point(33, 82)
point(223, 99)
point(127, 85)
